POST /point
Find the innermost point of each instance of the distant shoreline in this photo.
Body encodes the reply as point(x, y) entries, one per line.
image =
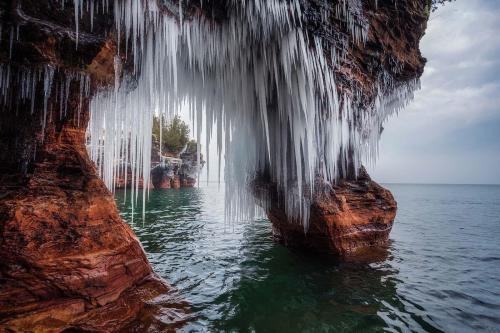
point(440, 184)
point(204, 182)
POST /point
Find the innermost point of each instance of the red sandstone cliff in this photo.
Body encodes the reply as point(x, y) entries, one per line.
point(68, 261)
point(346, 219)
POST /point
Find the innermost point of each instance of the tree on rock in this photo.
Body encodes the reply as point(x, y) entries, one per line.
point(174, 136)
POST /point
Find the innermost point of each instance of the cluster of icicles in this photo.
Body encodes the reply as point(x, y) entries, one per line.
point(28, 80)
point(259, 85)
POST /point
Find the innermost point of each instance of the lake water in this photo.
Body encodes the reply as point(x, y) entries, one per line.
point(441, 272)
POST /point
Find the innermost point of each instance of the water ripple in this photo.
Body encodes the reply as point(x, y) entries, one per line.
point(440, 273)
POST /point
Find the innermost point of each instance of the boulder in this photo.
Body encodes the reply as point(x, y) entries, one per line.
point(346, 219)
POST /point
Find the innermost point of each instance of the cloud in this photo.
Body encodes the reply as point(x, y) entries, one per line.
point(451, 132)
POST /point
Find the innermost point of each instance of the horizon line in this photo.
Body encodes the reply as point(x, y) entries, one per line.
point(455, 184)
point(204, 181)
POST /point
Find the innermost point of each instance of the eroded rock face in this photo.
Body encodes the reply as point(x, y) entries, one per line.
point(162, 179)
point(123, 181)
point(346, 219)
point(171, 174)
point(68, 261)
point(357, 213)
point(187, 182)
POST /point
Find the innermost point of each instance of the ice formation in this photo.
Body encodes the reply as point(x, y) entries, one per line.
point(28, 80)
point(258, 82)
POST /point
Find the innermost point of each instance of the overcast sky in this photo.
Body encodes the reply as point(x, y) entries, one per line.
point(451, 132)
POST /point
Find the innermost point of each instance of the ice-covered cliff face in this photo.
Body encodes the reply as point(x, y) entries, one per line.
point(277, 81)
point(293, 88)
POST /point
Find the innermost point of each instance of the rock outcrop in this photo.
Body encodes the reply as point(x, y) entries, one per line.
point(356, 213)
point(162, 180)
point(173, 171)
point(346, 219)
point(123, 181)
point(68, 261)
point(177, 172)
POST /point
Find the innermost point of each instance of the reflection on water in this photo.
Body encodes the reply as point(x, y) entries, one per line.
point(440, 273)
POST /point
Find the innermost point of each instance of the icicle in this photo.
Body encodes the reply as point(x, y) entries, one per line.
point(11, 43)
point(256, 76)
point(47, 87)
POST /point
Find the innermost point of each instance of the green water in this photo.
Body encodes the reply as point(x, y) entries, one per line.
point(441, 271)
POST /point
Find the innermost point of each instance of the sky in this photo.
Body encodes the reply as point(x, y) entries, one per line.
point(450, 133)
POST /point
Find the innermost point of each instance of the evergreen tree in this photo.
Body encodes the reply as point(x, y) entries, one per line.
point(175, 134)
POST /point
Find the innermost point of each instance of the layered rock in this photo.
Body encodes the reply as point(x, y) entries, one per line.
point(188, 182)
point(69, 262)
point(346, 219)
point(355, 213)
point(176, 172)
point(125, 181)
point(68, 259)
point(164, 178)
